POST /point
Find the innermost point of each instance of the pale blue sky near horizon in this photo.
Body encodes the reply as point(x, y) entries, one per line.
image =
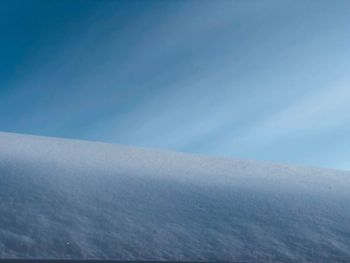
point(262, 80)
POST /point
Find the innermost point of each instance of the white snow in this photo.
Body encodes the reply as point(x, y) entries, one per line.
point(64, 198)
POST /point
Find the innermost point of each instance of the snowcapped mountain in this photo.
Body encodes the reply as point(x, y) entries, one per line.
point(64, 198)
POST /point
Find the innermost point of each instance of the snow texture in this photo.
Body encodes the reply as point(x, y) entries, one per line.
point(73, 199)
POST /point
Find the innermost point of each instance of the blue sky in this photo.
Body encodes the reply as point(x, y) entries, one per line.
point(264, 80)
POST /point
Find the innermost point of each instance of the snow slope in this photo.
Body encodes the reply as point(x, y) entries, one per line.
point(74, 199)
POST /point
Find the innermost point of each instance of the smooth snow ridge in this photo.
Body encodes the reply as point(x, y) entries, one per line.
point(75, 199)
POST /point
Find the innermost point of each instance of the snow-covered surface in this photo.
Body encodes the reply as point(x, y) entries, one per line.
point(75, 199)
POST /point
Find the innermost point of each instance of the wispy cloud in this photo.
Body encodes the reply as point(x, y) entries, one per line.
point(246, 79)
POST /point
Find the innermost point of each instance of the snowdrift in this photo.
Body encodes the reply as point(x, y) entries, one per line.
point(74, 199)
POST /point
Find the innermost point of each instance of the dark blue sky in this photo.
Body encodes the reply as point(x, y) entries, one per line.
point(266, 80)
